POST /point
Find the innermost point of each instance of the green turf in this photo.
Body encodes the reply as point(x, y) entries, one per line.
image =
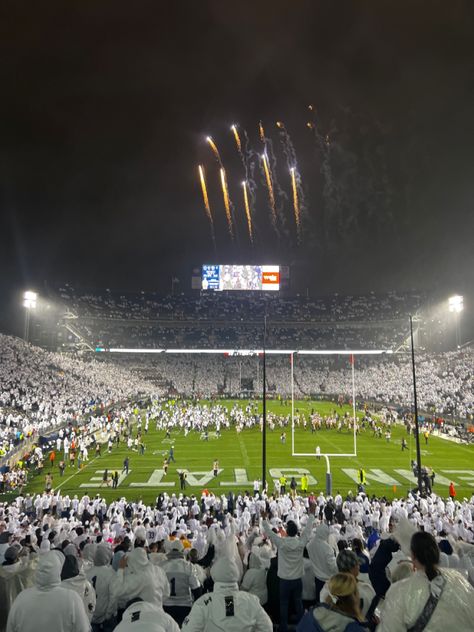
point(244, 451)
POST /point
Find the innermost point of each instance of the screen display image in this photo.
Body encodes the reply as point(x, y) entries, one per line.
point(240, 277)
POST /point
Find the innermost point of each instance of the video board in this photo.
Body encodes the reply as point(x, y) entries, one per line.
point(247, 278)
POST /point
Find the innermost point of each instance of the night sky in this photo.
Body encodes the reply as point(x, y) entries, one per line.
point(105, 108)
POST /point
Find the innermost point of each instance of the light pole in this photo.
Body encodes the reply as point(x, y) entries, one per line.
point(264, 406)
point(456, 305)
point(415, 397)
point(29, 303)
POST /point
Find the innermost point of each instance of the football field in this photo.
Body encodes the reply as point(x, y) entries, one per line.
point(240, 461)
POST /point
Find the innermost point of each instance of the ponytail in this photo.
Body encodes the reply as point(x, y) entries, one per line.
point(425, 550)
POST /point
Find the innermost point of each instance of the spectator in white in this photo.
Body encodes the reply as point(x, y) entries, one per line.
point(290, 565)
point(4, 544)
point(323, 557)
point(15, 575)
point(348, 562)
point(227, 608)
point(48, 606)
point(184, 584)
point(141, 616)
point(138, 577)
point(255, 579)
point(439, 599)
point(102, 577)
point(74, 579)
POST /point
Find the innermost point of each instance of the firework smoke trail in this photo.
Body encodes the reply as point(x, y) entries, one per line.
point(238, 142)
point(271, 194)
point(323, 143)
point(288, 147)
point(225, 193)
point(251, 161)
point(292, 163)
point(206, 203)
point(215, 150)
point(247, 210)
point(296, 204)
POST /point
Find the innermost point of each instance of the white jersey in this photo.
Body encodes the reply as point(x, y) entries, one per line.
point(182, 580)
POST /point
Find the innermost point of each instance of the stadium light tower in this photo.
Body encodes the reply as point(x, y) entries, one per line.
point(415, 411)
point(456, 306)
point(29, 302)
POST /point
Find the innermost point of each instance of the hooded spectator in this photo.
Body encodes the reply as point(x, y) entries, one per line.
point(227, 608)
point(74, 579)
point(48, 605)
point(102, 577)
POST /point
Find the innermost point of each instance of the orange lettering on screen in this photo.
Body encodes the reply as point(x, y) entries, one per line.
point(271, 277)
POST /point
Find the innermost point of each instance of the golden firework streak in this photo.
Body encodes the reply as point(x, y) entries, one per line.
point(214, 149)
point(261, 132)
point(247, 210)
point(296, 204)
point(204, 194)
point(271, 195)
point(225, 193)
point(237, 138)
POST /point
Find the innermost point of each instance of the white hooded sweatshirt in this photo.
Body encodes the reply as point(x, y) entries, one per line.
point(227, 608)
point(13, 579)
point(146, 617)
point(102, 577)
point(255, 579)
point(141, 579)
point(322, 554)
point(48, 606)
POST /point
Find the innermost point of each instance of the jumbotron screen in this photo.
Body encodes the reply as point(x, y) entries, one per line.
point(227, 277)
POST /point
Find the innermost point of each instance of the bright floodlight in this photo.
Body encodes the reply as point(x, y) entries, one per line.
point(29, 300)
point(456, 303)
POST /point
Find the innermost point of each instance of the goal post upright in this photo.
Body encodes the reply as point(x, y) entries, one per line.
point(292, 361)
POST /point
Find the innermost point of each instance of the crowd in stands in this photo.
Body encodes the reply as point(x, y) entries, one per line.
point(110, 319)
point(41, 391)
point(249, 306)
point(245, 561)
point(445, 382)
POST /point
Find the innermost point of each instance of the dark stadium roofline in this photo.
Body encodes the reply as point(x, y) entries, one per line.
point(250, 351)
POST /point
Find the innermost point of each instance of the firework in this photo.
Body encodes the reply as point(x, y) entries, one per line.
point(214, 149)
point(206, 202)
point(261, 132)
point(296, 204)
point(204, 193)
point(247, 210)
point(225, 193)
point(237, 138)
point(271, 195)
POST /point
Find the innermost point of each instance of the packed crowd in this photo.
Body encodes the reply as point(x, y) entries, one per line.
point(208, 320)
point(249, 306)
point(241, 562)
point(445, 382)
point(41, 391)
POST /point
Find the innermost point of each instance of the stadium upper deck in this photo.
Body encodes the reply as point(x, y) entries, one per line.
point(209, 320)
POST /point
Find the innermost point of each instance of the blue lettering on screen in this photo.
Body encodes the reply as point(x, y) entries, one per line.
point(210, 277)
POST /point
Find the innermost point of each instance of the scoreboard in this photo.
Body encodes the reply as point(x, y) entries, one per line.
point(240, 277)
